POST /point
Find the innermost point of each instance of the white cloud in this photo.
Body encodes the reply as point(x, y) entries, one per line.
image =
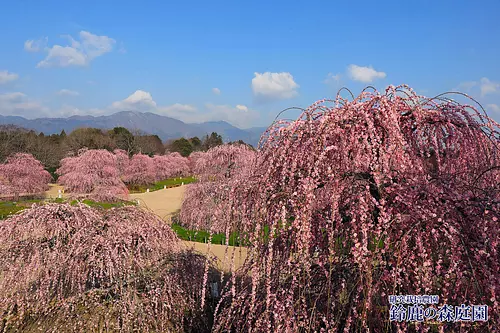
point(332, 79)
point(68, 111)
point(178, 111)
point(240, 115)
point(32, 45)
point(18, 104)
point(274, 86)
point(67, 92)
point(96, 46)
point(5, 77)
point(63, 56)
point(482, 87)
point(241, 107)
point(493, 107)
point(364, 74)
point(78, 53)
point(139, 101)
point(466, 86)
point(216, 91)
point(488, 87)
point(12, 97)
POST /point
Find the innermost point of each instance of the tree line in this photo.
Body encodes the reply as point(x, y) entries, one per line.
point(51, 149)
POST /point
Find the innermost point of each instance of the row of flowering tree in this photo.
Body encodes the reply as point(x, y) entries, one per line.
point(106, 175)
point(22, 174)
point(387, 194)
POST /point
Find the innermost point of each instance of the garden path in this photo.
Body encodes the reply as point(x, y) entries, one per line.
point(166, 202)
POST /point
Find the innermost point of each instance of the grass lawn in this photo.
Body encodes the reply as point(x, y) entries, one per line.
point(8, 208)
point(172, 182)
point(104, 205)
point(202, 236)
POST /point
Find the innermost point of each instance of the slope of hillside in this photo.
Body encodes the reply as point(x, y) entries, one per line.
point(164, 127)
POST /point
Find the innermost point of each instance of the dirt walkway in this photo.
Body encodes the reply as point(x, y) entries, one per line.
point(218, 251)
point(53, 191)
point(166, 202)
point(162, 202)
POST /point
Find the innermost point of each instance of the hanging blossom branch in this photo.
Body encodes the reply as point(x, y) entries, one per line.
point(23, 174)
point(71, 268)
point(218, 171)
point(390, 193)
point(93, 173)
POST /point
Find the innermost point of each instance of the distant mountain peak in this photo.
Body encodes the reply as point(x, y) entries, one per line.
point(222, 122)
point(147, 122)
point(125, 113)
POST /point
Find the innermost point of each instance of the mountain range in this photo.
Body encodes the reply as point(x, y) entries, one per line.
point(151, 123)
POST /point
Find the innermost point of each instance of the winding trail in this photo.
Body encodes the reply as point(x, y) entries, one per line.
point(53, 191)
point(162, 202)
point(166, 202)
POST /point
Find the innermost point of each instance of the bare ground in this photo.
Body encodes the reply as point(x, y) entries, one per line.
point(162, 202)
point(165, 202)
point(53, 191)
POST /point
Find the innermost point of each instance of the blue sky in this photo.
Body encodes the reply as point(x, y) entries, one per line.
point(239, 61)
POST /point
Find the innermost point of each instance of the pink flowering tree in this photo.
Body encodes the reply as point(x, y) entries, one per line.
point(162, 167)
point(192, 160)
point(169, 166)
point(22, 174)
point(179, 165)
point(223, 162)
point(92, 173)
point(122, 160)
point(71, 268)
point(140, 171)
point(387, 194)
point(207, 204)
point(219, 171)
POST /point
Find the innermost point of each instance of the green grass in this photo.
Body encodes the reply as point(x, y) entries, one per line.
point(8, 208)
point(172, 182)
point(103, 205)
point(202, 236)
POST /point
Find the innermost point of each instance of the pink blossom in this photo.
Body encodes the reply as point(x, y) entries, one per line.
point(384, 194)
point(22, 174)
point(93, 172)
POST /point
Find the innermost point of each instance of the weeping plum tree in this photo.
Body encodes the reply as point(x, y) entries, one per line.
point(206, 204)
point(223, 162)
point(93, 173)
point(103, 175)
point(386, 194)
point(219, 170)
point(122, 160)
point(178, 164)
point(23, 174)
point(170, 165)
point(71, 268)
point(192, 160)
point(140, 171)
point(162, 167)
